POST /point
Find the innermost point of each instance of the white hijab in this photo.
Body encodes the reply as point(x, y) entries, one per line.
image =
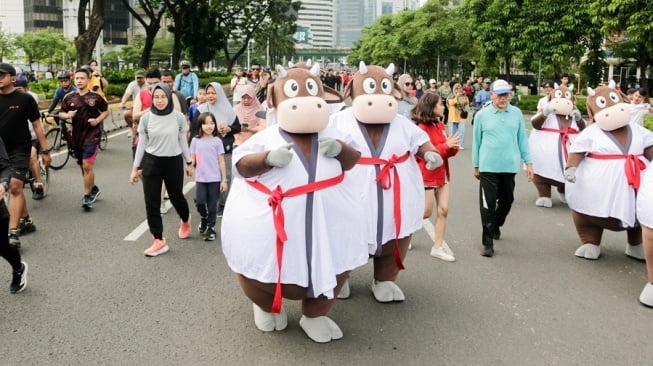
point(221, 109)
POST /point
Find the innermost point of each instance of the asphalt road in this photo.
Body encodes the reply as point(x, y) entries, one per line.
point(94, 299)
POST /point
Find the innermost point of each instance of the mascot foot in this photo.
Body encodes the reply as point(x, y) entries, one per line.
point(588, 251)
point(635, 251)
point(267, 322)
point(321, 329)
point(543, 202)
point(387, 291)
point(562, 198)
point(344, 291)
point(646, 297)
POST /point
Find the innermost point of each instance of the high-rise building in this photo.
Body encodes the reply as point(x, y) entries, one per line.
point(315, 19)
point(12, 17)
point(43, 14)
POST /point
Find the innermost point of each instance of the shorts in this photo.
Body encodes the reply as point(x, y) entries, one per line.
point(87, 153)
point(19, 159)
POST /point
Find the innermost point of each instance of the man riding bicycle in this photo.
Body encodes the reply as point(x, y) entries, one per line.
point(64, 88)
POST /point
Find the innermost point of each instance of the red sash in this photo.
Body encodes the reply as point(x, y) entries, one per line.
point(565, 137)
point(276, 196)
point(633, 166)
point(386, 183)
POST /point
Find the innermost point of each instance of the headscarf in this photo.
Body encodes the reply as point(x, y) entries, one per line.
point(221, 109)
point(169, 107)
point(248, 113)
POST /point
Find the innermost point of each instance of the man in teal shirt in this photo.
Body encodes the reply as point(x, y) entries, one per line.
point(500, 145)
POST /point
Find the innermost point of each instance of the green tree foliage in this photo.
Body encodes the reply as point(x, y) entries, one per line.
point(154, 10)
point(630, 20)
point(178, 10)
point(7, 46)
point(45, 47)
point(200, 36)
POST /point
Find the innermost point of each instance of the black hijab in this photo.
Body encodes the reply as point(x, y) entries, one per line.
point(169, 108)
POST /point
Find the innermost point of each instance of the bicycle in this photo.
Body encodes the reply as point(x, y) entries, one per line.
point(45, 177)
point(59, 140)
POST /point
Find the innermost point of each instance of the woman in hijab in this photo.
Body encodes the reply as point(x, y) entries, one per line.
point(228, 126)
point(246, 113)
point(161, 155)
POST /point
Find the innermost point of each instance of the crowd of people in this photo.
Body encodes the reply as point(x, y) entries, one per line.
point(181, 127)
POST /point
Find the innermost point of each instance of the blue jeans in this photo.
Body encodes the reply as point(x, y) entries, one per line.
point(457, 127)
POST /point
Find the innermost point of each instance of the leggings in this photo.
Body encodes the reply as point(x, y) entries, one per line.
point(8, 252)
point(158, 170)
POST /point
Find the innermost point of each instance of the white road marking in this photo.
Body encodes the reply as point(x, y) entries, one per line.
point(429, 228)
point(142, 228)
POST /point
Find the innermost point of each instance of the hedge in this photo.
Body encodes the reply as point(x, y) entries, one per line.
point(528, 103)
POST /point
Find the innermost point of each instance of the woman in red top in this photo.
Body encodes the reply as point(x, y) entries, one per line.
point(428, 114)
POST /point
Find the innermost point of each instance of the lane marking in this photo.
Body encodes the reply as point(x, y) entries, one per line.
point(429, 228)
point(142, 227)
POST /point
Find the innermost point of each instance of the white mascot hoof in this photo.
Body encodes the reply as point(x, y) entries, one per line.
point(344, 291)
point(267, 322)
point(562, 198)
point(646, 297)
point(635, 251)
point(321, 329)
point(544, 202)
point(588, 251)
point(387, 291)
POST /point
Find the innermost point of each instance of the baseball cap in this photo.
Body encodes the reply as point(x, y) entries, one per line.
point(500, 87)
point(486, 81)
point(6, 68)
point(184, 63)
point(140, 73)
point(21, 81)
point(432, 81)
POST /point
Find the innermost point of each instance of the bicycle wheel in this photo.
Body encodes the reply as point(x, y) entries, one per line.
point(58, 149)
point(104, 140)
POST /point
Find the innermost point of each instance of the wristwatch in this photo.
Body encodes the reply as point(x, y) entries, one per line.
point(45, 151)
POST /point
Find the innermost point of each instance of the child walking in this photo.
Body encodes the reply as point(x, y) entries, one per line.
point(207, 154)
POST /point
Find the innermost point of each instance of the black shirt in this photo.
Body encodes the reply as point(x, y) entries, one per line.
point(16, 108)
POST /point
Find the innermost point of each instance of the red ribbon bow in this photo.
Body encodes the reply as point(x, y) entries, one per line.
point(384, 179)
point(276, 198)
point(565, 137)
point(633, 166)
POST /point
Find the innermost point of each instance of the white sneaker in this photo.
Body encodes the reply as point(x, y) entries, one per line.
point(440, 253)
point(446, 248)
point(543, 202)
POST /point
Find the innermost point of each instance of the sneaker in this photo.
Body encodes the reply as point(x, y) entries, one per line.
point(496, 235)
point(184, 229)
point(26, 226)
point(87, 203)
point(203, 225)
point(19, 279)
point(38, 193)
point(220, 212)
point(487, 251)
point(441, 254)
point(13, 238)
point(95, 192)
point(159, 246)
point(446, 248)
point(210, 234)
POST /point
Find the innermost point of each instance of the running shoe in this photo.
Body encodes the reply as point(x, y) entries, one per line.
point(203, 225)
point(95, 192)
point(184, 229)
point(210, 234)
point(38, 193)
point(14, 239)
point(19, 279)
point(26, 226)
point(159, 246)
point(87, 202)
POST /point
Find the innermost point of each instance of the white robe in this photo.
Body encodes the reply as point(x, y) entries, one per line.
point(546, 149)
point(601, 188)
point(403, 136)
point(249, 236)
point(645, 199)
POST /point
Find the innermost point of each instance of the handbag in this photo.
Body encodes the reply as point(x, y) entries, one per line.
point(463, 114)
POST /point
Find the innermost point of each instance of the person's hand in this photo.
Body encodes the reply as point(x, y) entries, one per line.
point(548, 110)
point(329, 147)
point(224, 186)
point(190, 170)
point(47, 159)
point(570, 174)
point(135, 175)
point(433, 160)
point(280, 157)
point(529, 172)
point(453, 141)
point(477, 173)
point(575, 114)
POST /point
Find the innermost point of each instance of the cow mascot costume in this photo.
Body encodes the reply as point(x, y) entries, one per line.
point(554, 129)
point(387, 173)
point(604, 172)
point(288, 223)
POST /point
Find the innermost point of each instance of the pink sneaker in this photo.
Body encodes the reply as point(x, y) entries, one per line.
point(184, 229)
point(158, 247)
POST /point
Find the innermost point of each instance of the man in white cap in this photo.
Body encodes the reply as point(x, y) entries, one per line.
point(500, 144)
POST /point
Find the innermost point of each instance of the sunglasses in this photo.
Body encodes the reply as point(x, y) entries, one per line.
point(408, 83)
point(255, 68)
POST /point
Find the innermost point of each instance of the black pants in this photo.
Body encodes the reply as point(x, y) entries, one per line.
point(158, 170)
point(206, 200)
point(496, 194)
point(8, 252)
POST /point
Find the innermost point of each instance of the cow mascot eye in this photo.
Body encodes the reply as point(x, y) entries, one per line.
point(601, 102)
point(311, 86)
point(568, 95)
point(291, 88)
point(386, 86)
point(369, 86)
point(557, 94)
point(614, 97)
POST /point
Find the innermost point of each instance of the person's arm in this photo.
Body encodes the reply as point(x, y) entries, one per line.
point(138, 105)
point(126, 96)
point(55, 100)
point(177, 83)
point(196, 84)
point(223, 173)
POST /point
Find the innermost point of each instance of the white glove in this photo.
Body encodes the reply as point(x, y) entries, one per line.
point(548, 110)
point(575, 114)
point(570, 174)
point(433, 160)
point(330, 147)
point(280, 157)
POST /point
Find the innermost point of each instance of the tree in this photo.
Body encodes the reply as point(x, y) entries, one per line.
point(201, 37)
point(154, 10)
point(7, 47)
point(44, 47)
point(178, 11)
point(87, 35)
point(627, 20)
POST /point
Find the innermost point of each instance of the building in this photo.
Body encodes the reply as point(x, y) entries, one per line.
point(43, 14)
point(315, 22)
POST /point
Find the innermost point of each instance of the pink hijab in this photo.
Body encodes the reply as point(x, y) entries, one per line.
point(248, 113)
